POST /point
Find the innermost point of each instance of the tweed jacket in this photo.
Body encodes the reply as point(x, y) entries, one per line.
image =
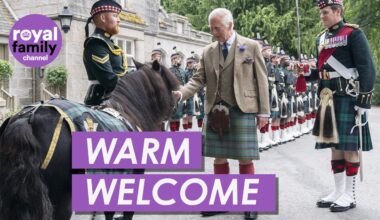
point(250, 76)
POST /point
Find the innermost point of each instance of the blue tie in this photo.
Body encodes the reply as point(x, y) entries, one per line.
point(225, 50)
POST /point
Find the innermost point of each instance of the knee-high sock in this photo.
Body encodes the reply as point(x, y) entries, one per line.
point(246, 168)
point(352, 168)
point(338, 166)
point(185, 126)
point(173, 126)
point(200, 122)
point(177, 123)
point(222, 168)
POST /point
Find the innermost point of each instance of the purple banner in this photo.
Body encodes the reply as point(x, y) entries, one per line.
point(148, 150)
point(174, 193)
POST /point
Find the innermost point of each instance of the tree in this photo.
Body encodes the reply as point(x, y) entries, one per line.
point(366, 13)
point(276, 21)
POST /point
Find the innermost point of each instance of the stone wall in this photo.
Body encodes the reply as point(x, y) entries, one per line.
point(158, 26)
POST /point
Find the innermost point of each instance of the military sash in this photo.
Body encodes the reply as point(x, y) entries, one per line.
point(326, 53)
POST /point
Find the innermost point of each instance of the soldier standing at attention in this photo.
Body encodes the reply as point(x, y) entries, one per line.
point(187, 121)
point(201, 95)
point(275, 99)
point(347, 74)
point(105, 62)
point(265, 141)
point(180, 74)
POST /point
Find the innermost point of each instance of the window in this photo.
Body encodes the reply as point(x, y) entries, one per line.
point(124, 3)
point(4, 56)
point(128, 46)
point(179, 28)
point(4, 52)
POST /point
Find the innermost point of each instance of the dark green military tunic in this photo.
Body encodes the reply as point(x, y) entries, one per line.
point(279, 83)
point(189, 109)
point(180, 74)
point(290, 81)
point(104, 62)
point(273, 96)
point(353, 52)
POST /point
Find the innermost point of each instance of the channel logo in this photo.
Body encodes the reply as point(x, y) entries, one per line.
point(35, 40)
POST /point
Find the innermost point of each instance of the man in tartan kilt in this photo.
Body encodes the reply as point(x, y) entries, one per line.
point(234, 73)
point(201, 95)
point(313, 96)
point(177, 70)
point(187, 121)
point(265, 141)
point(275, 99)
point(346, 75)
point(283, 93)
point(290, 81)
point(303, 109)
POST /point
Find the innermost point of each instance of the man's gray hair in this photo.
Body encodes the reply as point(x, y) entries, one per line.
point(225, 14)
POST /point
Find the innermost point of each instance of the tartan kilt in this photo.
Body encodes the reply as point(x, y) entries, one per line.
point(345, 116)
point(201, 107)
point(189, 109)
point(306, 106)
point(290, 107)
point(202, 113)
point(275, 114)
point(239, 143)
point(179, 111)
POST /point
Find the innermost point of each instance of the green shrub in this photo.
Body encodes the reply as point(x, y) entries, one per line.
point(56, 76)
point(6, 70)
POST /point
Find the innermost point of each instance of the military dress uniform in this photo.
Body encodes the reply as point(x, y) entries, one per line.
point(354, 54)
point(272, 88)
point(105, 62)
point(290, 80)
point(189, 107)
point(266, 140)
point(280, 87)
point(347, 74)
point(201, 95)
point(180, 75)
point(276, 107)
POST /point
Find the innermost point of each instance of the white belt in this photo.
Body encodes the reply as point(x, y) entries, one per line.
point(333, 74)
point(94, 82)
point(347, 73)
point(351, 71)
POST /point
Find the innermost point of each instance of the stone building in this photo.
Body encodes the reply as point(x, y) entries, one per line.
point(143, 24)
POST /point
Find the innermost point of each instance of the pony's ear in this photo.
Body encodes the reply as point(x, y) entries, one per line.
point(138, 64)
point(156, 65)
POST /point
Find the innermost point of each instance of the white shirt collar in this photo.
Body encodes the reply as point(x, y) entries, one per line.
point(230, 40)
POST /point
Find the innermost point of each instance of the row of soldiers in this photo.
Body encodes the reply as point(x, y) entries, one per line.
point(192, 107)
point(293, 108)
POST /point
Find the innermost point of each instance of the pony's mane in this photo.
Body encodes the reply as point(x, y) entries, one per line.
point(144, 96)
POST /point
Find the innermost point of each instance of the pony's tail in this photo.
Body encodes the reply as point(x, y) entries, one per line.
point(23, 194)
